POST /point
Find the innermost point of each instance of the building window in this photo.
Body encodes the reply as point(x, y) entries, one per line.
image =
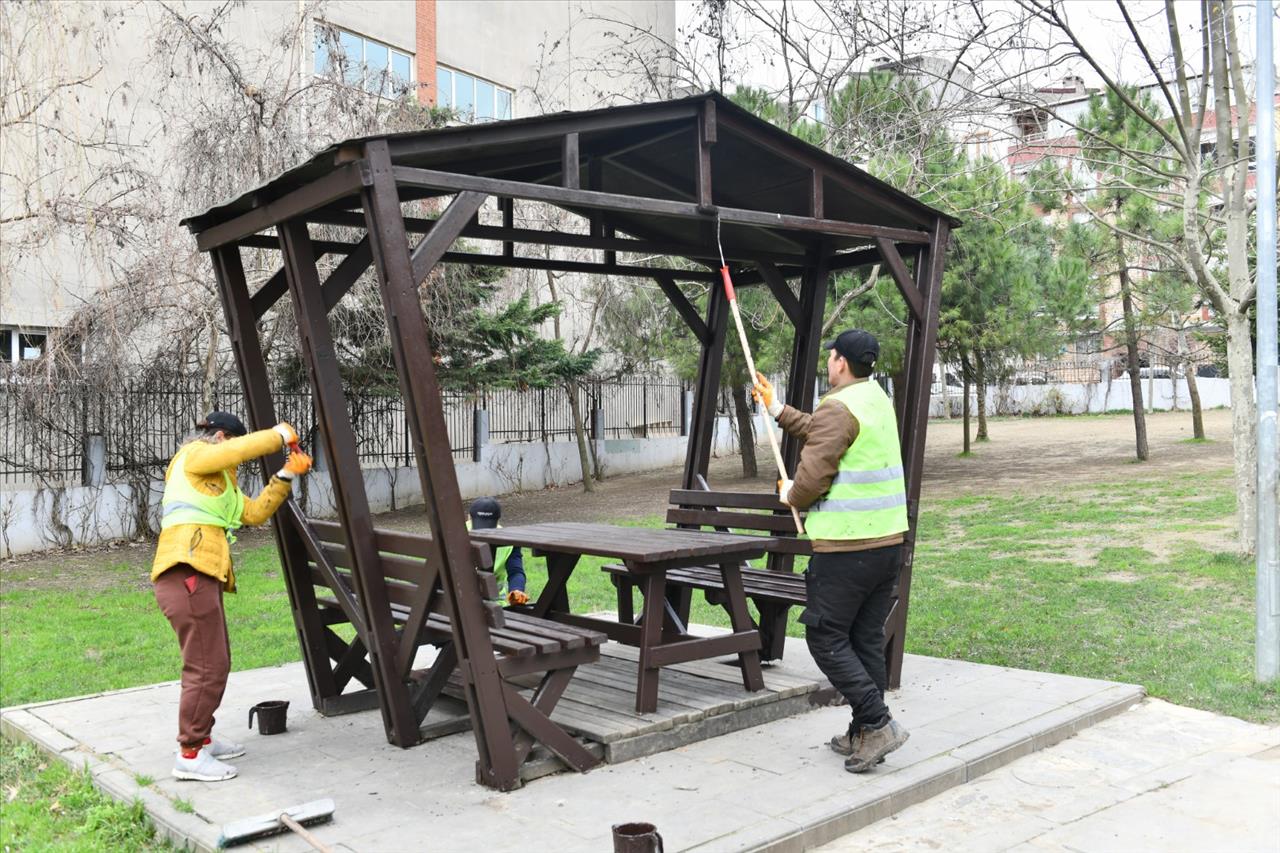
point(1032, 124)
point(361, 62)
point(472, 98)
point(16, 345)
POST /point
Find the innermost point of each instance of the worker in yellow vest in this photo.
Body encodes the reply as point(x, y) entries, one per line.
point(201, 508)
point(508, 564)
point(850, 480)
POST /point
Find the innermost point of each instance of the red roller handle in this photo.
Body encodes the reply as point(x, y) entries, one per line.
point(728, 283)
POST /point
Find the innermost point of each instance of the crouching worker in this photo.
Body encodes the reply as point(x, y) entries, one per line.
point(850, 480)
point(201, 508)
point(508, 565)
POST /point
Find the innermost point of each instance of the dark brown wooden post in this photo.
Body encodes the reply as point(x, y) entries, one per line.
point(317, 346)
point(243, 331)
point(922, 343)
point(398, 275)
point(805, 347)
point(698, 452)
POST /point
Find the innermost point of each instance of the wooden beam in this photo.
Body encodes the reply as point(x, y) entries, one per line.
point(902, 276)
point(432, 179)
point(433, 247)
point(683, 307)
point(706, 138)
point(507, 234)
point(570, 169)
point(342, 182)
point(781, 292)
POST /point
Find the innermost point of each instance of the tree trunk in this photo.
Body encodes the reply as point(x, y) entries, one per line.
point(1131, 345)
point(1243, 427)
point(746, 433)
point(980, 382)
point(580, 433)
point(1197, 413)
point(965, 374)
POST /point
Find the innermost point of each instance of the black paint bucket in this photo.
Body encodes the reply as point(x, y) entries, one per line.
point(271, 716)
point(636, 838)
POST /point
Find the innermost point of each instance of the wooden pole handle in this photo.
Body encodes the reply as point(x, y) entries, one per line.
point(768, 428)
point(302, 831)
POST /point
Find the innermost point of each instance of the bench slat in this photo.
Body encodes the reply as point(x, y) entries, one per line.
point(774, 525)
point(728, 500)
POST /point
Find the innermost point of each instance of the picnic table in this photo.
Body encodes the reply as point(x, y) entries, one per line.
point(648, 554)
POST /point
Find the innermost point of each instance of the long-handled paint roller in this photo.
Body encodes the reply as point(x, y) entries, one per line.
point(294, 819)
point(751, 363)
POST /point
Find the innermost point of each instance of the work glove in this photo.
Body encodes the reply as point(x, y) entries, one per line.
point(288, 435)
point(517, 597)
point(784, 491)
point(297, 464)
point(762, 391)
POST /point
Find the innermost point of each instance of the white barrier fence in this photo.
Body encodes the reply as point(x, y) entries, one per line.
point(1084, 398)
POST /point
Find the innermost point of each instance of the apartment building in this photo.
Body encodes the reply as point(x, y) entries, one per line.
point(488, 60)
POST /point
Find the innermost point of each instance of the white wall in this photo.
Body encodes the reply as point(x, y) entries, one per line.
point(1074, 398)
point(33, 520)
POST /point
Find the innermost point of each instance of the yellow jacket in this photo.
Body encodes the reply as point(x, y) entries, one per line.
point(204, 547)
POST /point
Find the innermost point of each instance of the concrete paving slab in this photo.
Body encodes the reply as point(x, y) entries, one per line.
point(773, 786)
point(1157, 777)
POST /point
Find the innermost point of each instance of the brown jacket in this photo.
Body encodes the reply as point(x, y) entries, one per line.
point(827, 434)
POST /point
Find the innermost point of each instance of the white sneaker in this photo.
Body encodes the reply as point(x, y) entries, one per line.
point(224, 749)
point(203, 768)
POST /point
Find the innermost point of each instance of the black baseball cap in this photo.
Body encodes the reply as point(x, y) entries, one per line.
point(224, 421)
point(485, 513)
point(857, 346)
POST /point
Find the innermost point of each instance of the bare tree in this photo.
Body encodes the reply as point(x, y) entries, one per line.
point(1203, 121)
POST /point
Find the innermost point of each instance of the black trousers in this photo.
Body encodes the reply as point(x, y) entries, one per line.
point(850, 595)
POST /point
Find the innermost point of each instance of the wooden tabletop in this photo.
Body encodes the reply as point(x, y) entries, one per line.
point(634, 544)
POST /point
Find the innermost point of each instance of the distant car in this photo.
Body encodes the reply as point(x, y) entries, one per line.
point(1208, 371)
point(1160, 371)
point(1031, 377)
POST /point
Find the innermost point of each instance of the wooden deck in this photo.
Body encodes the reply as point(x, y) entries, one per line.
point(696, 701)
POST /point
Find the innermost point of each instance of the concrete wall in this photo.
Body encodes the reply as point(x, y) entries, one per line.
point(1074, 398)
point(33, 520)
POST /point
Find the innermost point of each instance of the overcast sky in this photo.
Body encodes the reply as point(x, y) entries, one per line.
point(1098, 23)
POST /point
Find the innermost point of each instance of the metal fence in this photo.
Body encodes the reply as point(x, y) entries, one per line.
point(43, 434)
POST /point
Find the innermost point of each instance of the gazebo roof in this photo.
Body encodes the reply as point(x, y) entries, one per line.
point(648, 151)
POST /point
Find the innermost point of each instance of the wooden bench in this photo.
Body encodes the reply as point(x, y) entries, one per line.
point(523, 645)
point(773, 590)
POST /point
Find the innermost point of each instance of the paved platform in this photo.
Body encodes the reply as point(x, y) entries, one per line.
point(1157, 777)
point(773, 786)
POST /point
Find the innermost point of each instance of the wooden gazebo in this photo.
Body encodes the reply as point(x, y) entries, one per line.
point(650, 179)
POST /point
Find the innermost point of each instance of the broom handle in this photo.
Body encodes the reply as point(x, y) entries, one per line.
point(306, 836)
point(773, 439)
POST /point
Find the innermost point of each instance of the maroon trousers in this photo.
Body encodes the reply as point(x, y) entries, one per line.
point(192, 602)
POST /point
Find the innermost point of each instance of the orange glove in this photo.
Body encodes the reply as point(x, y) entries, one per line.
point(762, 391)
point(297, 464)
point(517, 597)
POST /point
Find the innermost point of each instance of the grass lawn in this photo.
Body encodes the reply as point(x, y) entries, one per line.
point(48, 806)
point(1131, 580)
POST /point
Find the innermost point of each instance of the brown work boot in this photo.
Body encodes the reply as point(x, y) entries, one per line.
point(872, 745)
point(846, 743)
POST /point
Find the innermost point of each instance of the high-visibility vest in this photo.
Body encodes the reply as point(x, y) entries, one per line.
point(182, 503)
point(500, 556)
point(868, 496)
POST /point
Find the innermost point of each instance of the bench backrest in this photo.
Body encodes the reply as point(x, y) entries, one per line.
point(741, 512)
point(404, 566)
